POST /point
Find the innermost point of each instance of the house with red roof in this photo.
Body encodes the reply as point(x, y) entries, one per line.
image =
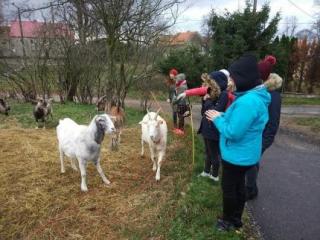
point(182, 39)
point(26, 37)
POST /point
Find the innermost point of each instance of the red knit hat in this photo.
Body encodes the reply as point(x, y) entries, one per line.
point(174, 72)
point(265, 66)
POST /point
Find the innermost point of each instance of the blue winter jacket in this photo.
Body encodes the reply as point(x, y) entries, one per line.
point(241, 127)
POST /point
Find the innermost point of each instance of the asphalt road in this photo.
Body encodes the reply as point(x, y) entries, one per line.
point(288, 205)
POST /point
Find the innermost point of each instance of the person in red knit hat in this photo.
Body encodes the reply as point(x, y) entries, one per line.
point(273, 82)
point(265, 66)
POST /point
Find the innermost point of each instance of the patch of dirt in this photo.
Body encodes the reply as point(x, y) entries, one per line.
point(39, 202)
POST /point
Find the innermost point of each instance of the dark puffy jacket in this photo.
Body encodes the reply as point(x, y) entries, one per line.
point(207, 129)
point(274, 119)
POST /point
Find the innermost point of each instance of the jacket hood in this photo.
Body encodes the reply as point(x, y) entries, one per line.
point(274, 82)
point(220, 78)
point(213, 87)
point(180, 77)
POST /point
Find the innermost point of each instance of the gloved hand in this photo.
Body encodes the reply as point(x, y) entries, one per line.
point(181, 95)
point(168, 100)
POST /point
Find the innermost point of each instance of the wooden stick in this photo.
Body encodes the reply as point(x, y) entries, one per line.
point(192, 132)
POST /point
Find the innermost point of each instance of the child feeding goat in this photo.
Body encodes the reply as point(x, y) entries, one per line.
point(83, 143)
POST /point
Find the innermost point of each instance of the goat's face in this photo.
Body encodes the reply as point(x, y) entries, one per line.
point(154, 130)
point(104, 123)
point(153, 126)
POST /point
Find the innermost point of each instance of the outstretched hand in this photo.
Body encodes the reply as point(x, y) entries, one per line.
point(181, 95)
point(212, 114)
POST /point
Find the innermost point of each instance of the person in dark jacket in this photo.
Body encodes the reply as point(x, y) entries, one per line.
point(171, 83)
point(273, 84)
point(180, 105)
point(215, 99)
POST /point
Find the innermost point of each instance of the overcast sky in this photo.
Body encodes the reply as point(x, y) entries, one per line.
point(194, 11)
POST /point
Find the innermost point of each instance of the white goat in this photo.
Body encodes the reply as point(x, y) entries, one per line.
point(83, 143)
point(154, 132)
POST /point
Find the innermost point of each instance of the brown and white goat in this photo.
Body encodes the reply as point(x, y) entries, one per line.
point(117, 115)
point(42, 110)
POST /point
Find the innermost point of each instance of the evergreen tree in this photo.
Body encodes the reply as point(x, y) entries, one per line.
point(188, 60)
point(239, 32)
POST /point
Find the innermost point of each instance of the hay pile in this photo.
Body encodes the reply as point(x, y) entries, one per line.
point(38, 202)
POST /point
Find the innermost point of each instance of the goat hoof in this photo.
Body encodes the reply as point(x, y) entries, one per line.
point(157, 178)
point(84, 189)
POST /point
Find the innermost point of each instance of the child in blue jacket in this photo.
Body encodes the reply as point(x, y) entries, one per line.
point(240, 129)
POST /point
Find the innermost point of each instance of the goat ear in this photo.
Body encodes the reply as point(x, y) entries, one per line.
point(142, 122)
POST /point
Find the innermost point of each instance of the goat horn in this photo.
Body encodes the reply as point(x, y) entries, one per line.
point(101, 98)
point(157, 113)
point(148, 114)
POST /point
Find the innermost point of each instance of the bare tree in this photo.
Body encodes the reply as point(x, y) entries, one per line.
point(131, 29)
point(313, 74)
point(291, 26)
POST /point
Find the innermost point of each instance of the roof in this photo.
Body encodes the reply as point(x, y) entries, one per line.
point(181, 38)
point(33, 29)
point(184, 37)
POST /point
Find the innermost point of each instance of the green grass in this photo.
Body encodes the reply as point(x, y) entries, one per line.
point(300, 101)
point(198, 210)
point(80, 113)
point(312, 122)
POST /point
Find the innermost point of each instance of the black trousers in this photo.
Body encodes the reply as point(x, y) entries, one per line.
point(175, 118)
point(233, 191)
point(212, 156)
point(180, 111)
point(252, 176)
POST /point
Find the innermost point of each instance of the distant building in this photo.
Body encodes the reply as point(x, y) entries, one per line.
point(15, 40)
point(182, 39)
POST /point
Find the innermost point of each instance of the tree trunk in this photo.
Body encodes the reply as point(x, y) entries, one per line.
point(301, 76)
point(72, 92)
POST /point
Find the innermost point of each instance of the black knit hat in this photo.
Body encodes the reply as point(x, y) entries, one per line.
point(245, 73)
